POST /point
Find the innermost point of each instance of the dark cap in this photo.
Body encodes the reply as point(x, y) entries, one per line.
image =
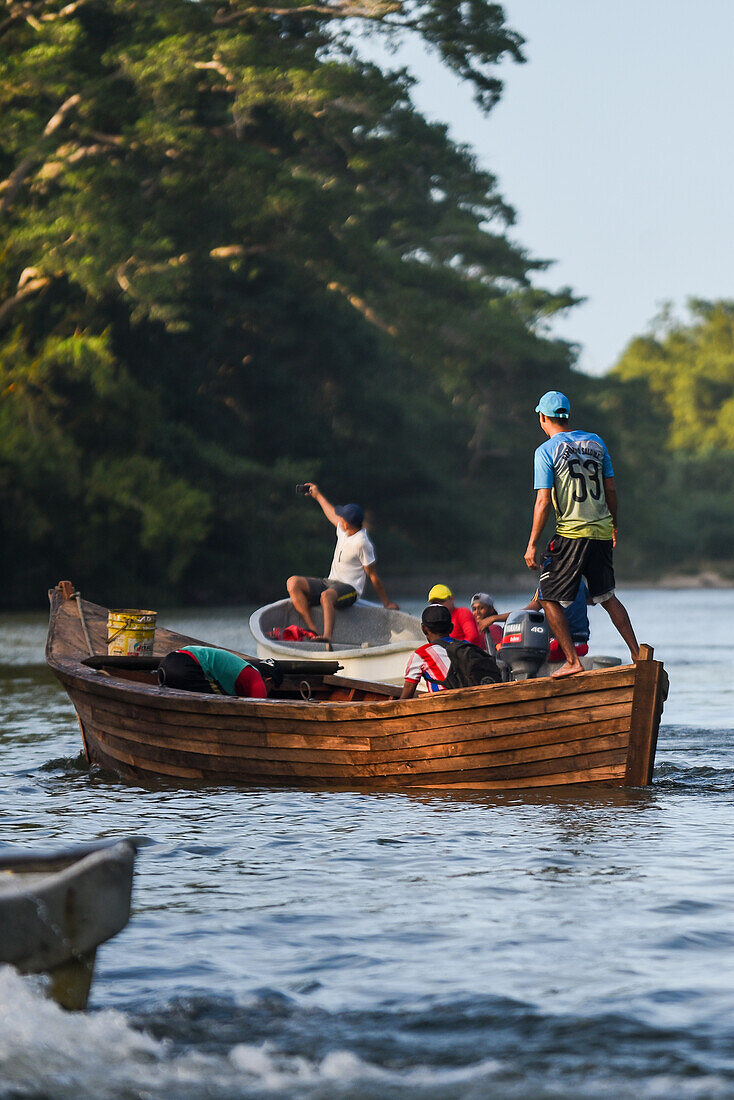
point(352, 513)
point(270, 670)
point(437, 617)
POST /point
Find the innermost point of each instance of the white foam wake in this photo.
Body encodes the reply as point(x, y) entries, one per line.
point(48, 1052)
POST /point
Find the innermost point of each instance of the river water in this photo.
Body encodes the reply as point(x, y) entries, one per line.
point(341, 944)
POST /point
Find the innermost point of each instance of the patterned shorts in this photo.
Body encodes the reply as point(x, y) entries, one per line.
point(568, 560)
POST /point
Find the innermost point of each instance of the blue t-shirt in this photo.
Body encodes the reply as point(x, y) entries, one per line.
point(573, 465)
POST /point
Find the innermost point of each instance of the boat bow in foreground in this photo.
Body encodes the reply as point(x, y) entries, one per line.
point(57, 908)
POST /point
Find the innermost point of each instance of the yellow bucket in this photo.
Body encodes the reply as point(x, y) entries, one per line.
point(130, 633)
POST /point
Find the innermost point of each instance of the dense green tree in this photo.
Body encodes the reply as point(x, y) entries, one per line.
point(689, 370)
point(669, 401)
point(235, 255)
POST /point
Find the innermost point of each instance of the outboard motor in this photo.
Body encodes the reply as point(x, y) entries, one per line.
point(525, 643)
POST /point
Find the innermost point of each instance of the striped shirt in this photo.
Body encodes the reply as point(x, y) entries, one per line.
point(432, 663)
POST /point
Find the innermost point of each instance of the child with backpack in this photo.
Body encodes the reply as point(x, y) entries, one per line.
point(444, 662)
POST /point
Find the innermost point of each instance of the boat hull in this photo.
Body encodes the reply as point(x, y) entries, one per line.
point(595, 727)
point(489, 738)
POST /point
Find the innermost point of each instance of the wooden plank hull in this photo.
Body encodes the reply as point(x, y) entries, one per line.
point(595, 727)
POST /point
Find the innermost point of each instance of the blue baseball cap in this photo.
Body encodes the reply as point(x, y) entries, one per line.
point(554, 403)
point(352, 513)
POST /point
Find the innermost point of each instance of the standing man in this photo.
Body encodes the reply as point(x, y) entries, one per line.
point(354, 561)
point(573, 473)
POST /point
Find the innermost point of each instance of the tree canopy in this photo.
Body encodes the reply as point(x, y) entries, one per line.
point(689, 371)
point(670, 398)
point(235, 256)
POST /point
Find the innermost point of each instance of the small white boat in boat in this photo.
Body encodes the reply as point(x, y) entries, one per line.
point(370, 642)
point(57, 908)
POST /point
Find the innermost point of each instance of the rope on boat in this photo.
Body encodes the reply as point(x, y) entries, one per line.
point(78, 598)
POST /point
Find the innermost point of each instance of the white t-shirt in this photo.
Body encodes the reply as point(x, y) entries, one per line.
point(352, 554)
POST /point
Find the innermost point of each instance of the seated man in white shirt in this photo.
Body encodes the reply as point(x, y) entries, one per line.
point(354, 561)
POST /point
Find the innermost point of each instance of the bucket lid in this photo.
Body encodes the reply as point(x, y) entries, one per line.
point(132, 612)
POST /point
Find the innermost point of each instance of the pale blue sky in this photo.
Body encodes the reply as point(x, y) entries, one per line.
point(614, 144)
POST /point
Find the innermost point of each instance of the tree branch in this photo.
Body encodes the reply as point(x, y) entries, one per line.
point(340, 9)
point(28, 288)
point(361, 306)
point(55, 121)
point(51, 17)
point(31, 14)
point(9, 23)
point(217, 67)
point(227, 251)
point(14, 181)
point(131, 267)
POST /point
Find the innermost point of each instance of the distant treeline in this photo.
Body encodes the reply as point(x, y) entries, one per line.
point(233, 256)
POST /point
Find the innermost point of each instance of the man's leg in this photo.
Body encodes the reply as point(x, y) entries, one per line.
point(299, 592)
point(328, 606)
point(618, 614)
point(560, 576)
point(600, 578)
point(558, 624)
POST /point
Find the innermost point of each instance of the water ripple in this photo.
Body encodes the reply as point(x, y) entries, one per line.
point(275, 1045)
point(346, 944)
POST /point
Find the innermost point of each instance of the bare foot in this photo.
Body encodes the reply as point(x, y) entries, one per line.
point(326, 641)
point(567, 670)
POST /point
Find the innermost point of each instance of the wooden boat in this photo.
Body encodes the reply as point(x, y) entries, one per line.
point(321, 729)
point(370, 642)
point(57, 908)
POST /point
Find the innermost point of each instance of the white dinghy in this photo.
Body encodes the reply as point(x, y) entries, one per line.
point(370, 642)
